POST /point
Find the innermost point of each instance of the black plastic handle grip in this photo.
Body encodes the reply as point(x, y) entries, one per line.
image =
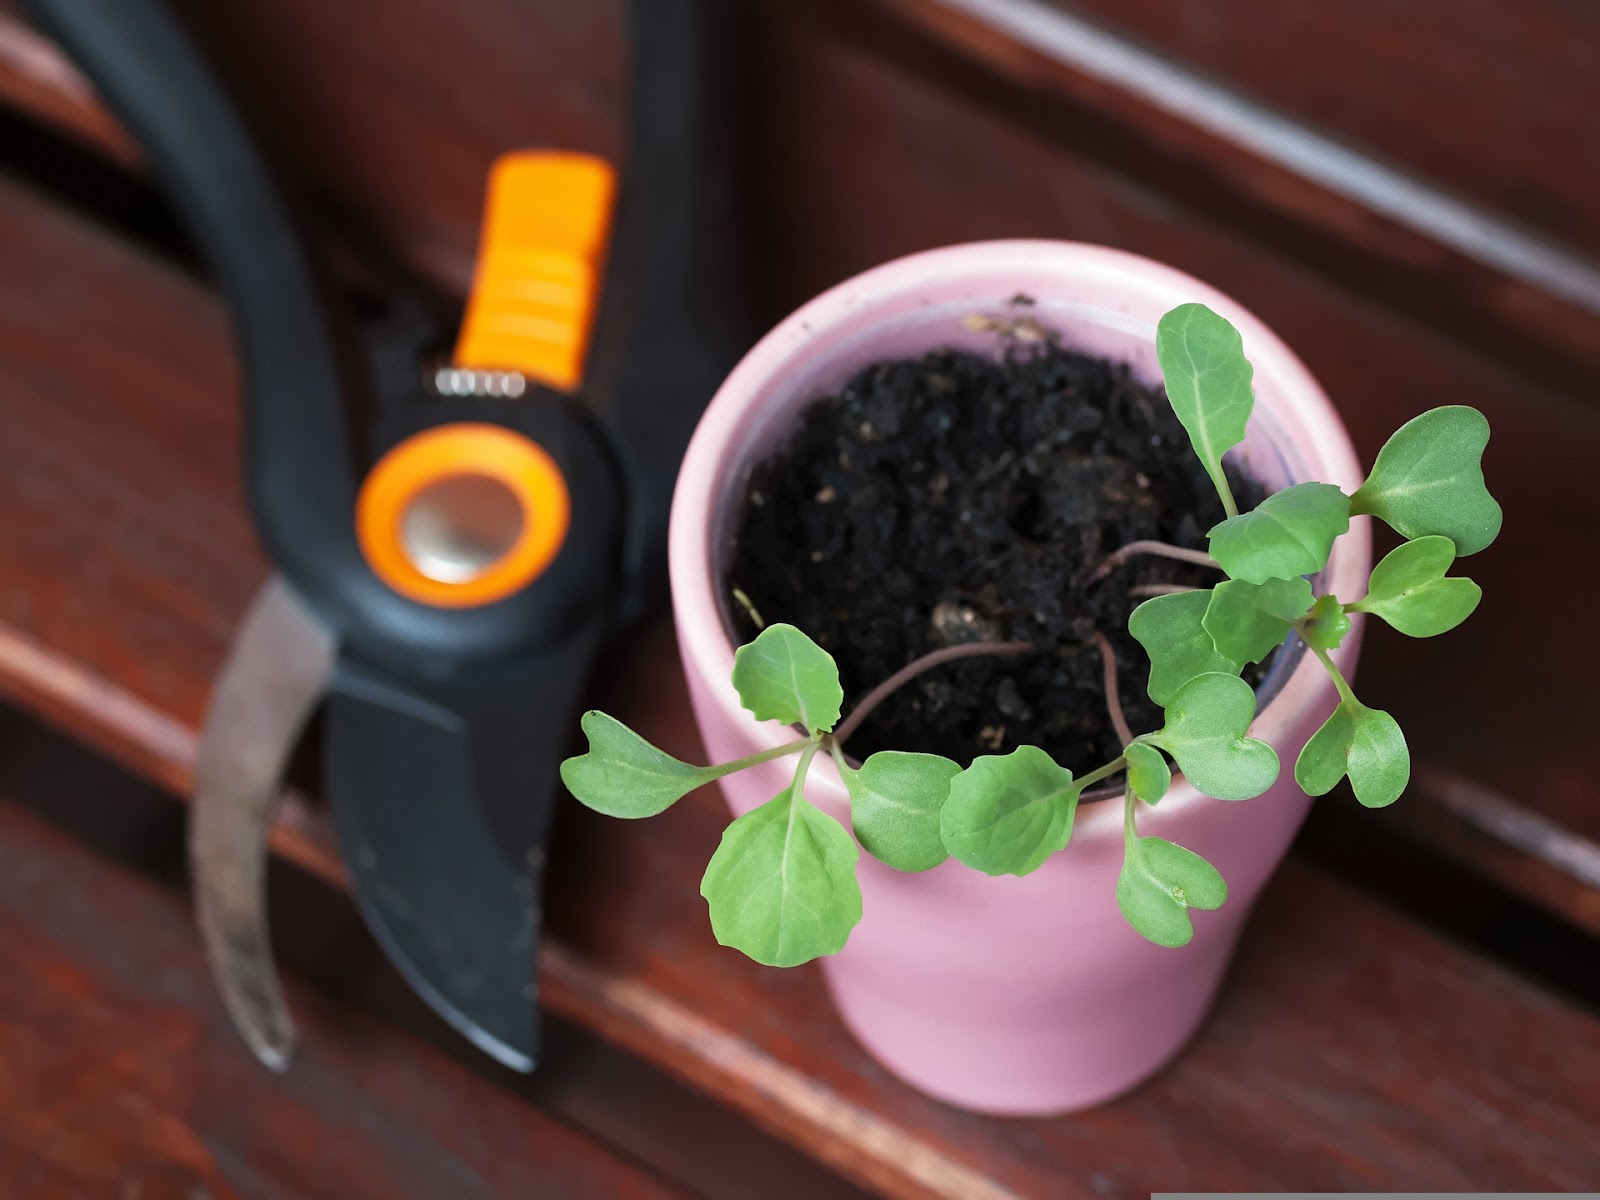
point(300, 469)
point(677, 317)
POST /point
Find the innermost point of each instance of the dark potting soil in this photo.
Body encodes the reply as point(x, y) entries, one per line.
point(961, 498)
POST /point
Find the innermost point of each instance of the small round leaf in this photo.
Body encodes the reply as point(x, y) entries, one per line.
point(1290, 533)
point(1364, 743)
point(1328, 623)
point(1171, 629)
point(1160, 881)
point(895, 801)
point(1248, 621)
point(1008, 813)
point(622, 775)
point(781, 886)
point(1428, 479)
point(1208, 382)
point(1410, 591)
point(784, 676)
point(1148, 773)
point(1206, 728)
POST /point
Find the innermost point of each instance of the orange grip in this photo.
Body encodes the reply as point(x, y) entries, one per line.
point(540, 258)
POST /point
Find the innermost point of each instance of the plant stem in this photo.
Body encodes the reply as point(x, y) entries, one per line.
point(1099, 773)
point(749, 608)
point(911, 670)
point(1339, 681)
point(1161, 549)
point(1108, 668)
point(1130, 835)
point(810, 752)
point(1229, 505)
point(1145, 590)
point(838, 755)
point(755, 760)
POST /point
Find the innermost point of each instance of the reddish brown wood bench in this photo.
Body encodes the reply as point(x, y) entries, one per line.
point(1353, 1048)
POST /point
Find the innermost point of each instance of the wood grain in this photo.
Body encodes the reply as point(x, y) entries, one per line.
point(37, 78)
point(1296, 188)
point(124, 1079)
point(1379, 369)
point(391, 124)
point(1351, 1050)
point(1488, 97)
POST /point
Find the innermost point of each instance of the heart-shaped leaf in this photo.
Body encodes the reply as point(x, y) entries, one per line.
point(784, 676)
point(1208, 383)
point(622, 775)
point(1008, 813)
point(1172, 631)
point(782, 885)
point(1364, 743)
point(1409, 589)
point(1327, 625)
point(1160, 882)
point(1288, 534)
point(1248, 621)
point(895, 801)
point(1429, 480)
point(1207, 723)
point(1148, 773)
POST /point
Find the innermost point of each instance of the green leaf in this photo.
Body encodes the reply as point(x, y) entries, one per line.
point(1364, 743)
point(1159, 883)
point(895, 800)
point(1248, 621)
point(1208, 383)
point(1008, 813)
point(1409, 589)
point(784, 676)
point(1327, 625)
point(1207, 723)
point(1148, 773)
point(1429, 480)
point(1171, 629)
point(782, 885)
point(1288, 534)
point(622, 775)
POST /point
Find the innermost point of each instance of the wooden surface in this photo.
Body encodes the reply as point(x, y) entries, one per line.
point(921, 165)
point(1350, 1050)
point(1487, 97)
point(123, 1078)
point(384, 128)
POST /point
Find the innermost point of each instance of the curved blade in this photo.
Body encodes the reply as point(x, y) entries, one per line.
point(442, 797)
point(273, 679)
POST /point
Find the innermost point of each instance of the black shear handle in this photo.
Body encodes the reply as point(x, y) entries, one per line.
point(298, 453)
point(677, 316)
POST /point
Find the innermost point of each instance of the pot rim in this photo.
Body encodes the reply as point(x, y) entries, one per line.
point(696, 518)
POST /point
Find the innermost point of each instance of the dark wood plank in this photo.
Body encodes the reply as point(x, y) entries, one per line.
point(37, 78)
point(662, 1124)
point(1239, 166)
point(1488, 97)
point(1352, 1050)
point(382, 128)
point(123, 1077)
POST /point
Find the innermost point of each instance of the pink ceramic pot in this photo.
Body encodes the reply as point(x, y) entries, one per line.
point(1006, 995)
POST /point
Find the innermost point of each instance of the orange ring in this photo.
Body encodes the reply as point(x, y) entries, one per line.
point(520, 464)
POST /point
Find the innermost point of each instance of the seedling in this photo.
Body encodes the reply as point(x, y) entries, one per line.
point(782, 887)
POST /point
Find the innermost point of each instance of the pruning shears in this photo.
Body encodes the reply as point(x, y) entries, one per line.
point(448, 559)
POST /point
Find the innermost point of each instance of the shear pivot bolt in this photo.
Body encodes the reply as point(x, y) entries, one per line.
point(459, 526)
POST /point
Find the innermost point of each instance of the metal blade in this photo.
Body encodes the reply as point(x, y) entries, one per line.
point(274, 677)
point(442, 799)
